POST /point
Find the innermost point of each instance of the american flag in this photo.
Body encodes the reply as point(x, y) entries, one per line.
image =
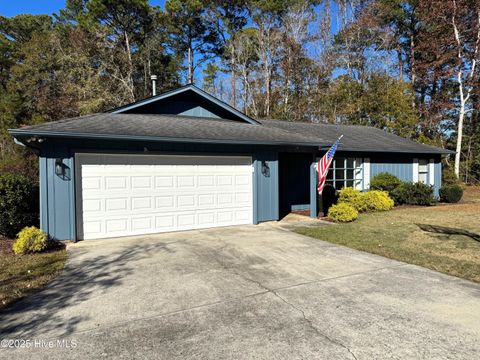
point(324, 165)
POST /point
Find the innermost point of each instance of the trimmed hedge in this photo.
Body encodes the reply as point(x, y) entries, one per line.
point(369, 201)
point(451, 193)
point(385, 181)
point(30, 240)
point(342, 213)
point(376, 200)
point(18, 204)
point(348, 195)
point(413, 194)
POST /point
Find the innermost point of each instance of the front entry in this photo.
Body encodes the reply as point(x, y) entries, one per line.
point(294, 182)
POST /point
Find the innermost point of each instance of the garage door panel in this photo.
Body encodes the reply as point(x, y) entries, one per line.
point(148, 194)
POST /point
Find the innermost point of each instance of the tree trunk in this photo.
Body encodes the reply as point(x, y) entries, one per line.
point(130, 67)
point(190, 65)
point(400, 63)
point(233, 76)
point(459, 137)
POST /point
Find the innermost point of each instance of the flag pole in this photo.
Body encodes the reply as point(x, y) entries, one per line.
point(320, 202)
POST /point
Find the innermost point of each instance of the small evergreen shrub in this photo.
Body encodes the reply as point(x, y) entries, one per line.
point(413, 194)
point(449, 177)
point(342, 212)
point(369, 201)
point(385, 181)
point(348, 195)
point(376, 200)
point(451, 193)
point(18, 203)
point(30, 240)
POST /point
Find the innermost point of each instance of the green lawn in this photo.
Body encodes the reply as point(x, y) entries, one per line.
point(21, 275)
point(444, 238)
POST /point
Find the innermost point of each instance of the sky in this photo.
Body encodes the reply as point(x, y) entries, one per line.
point(15, 7)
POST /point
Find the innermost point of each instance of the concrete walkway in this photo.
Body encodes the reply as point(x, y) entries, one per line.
point(244, 292)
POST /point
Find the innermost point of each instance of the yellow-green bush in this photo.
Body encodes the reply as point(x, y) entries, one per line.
point(348, 195)
point(374, 200)
point(342, 212)
point(30, 240)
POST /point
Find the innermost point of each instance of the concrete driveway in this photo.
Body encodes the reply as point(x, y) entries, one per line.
point(244, 292)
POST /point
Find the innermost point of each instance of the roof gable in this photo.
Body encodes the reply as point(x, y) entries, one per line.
point(188, 100)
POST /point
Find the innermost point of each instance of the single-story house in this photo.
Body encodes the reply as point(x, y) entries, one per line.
point(186, 160)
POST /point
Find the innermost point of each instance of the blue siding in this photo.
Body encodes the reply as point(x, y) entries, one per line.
point(198, 111)
point(57, 194)
point(313, 191)
point(43, 193)
point(187, 103)
point(403, 169)
point(437, 177)
point(57, 209)
point(267, 194)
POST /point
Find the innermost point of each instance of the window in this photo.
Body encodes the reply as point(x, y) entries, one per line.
point(346, 172)
point(422, 171)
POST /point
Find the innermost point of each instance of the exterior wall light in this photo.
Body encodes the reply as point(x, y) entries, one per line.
point(59, 168)
point(265, 169)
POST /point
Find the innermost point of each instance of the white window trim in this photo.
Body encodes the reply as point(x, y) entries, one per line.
point(358, 186)
point(366, 173)
point(415, 170)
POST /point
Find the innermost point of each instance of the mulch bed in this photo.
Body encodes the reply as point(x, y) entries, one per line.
point(6, 246)
point(7, 243)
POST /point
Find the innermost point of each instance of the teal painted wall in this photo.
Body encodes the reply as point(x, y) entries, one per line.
point(437, 177)
point(189, 104)
point(403, 169)
point(57, 194)
point(266, 187)
point(57, 205)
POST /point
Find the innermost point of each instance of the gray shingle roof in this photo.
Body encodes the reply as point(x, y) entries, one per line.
point(356, 137)
point(194, 129)
point(168, 128)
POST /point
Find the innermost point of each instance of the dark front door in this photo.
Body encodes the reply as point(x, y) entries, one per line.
point(294, 182)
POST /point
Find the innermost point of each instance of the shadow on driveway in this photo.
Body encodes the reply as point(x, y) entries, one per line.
point(82, 278)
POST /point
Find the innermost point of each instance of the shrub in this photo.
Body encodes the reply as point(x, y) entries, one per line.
point(18, 203)
point(342, 213)
point(413, 194)
point(348, 195)
point(385, 181)
point(30, 240)
point(376, 200)
point(451, 193)
point(449, 177)
point(352, 197)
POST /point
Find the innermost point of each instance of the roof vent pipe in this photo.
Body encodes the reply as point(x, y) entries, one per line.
point(154, 84)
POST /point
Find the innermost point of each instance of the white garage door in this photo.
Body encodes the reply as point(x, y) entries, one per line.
point(141, 194)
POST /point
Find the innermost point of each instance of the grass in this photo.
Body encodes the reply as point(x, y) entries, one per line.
point(23, 275)
point(444, 238)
